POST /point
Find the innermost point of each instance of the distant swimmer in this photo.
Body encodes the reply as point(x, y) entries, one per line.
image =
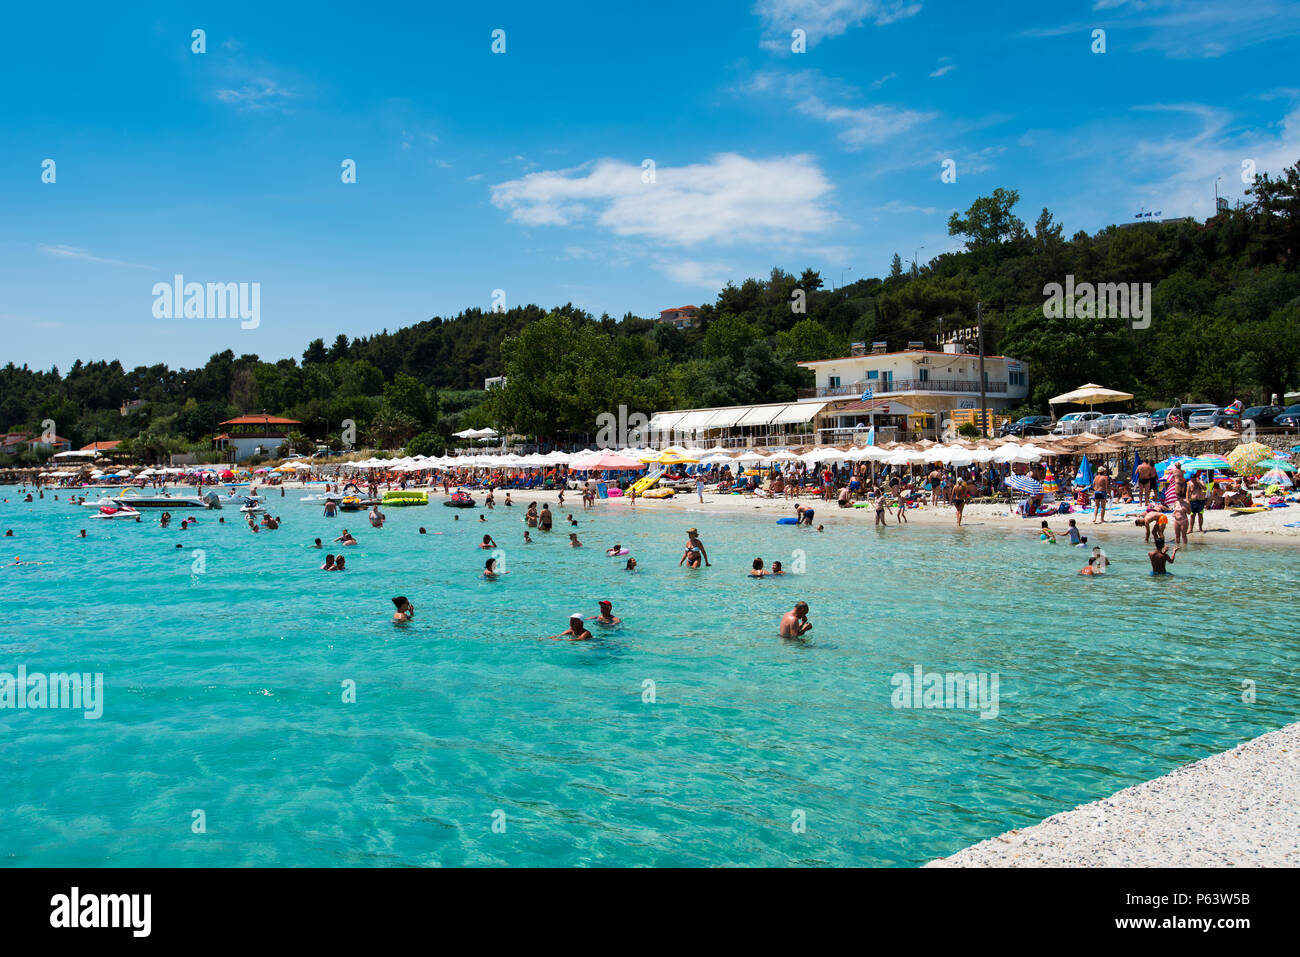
point(490, 569)
point(487, 542)
point(573, 540)
point(405, 610)
point(338, 563)
point(346, 538)
point(376, 517)
point(630, 566)
point(607, 616)
point(1046, 534)
point(577, 630)
point(777, 569)
point(1096, 564)
point(544, 519)
point(528, 538)
point(1161, 558)
point(795, 623)
point(329, 564)
point(757, 570)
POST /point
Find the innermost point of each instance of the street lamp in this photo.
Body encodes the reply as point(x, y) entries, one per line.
point(915, 256)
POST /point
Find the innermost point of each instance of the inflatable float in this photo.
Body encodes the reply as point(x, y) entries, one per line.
point(657, 493)
point(396, 499)
point(460, 500)
point(787, 521)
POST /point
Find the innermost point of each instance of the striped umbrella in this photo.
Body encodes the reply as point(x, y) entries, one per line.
point(1205, 463)
point(1026, 484)
point(1171, 493)
point(1050, 485)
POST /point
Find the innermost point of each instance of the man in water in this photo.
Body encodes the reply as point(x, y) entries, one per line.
point(544, 519)
point(607, 616)
point(405, 610)
point(794, 623)
point(577, 631)
point(376, 516)
point(1161, 558)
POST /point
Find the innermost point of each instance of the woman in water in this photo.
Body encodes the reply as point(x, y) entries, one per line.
point(573, 540)
point(338, 564)
point(757, 571)
point(405, 610)
point(631, 565)
point(346, 538)
point(490, 568)
point(577, 631)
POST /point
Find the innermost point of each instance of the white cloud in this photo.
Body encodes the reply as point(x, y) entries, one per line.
point(1185, 167)
point(728, 200)
point(711, 276)
point(877, 84)
point(73, 252)
point(257, 94)
point(858, 126)
point(941, 70)
point(821, 19)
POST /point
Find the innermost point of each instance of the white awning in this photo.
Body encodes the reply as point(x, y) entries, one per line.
point(694, 421)
point(798, 412)
point(663, 421)
point(759, 415)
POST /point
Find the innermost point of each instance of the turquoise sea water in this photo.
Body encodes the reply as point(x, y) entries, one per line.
point(224, 689)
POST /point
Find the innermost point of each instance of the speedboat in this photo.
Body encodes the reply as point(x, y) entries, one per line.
point(138, 501)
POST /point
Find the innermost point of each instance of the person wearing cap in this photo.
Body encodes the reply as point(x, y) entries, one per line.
point(607, 616)
point(577, 630)
point(794, 623)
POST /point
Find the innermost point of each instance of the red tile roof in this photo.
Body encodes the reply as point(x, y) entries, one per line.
point(101, 446)
point(260, 420)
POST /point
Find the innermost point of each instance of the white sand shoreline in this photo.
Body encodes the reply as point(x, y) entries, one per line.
point(1234, 809)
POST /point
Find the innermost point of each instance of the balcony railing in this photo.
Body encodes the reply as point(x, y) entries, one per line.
point(881, 387)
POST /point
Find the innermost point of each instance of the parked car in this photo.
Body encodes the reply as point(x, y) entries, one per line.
point(324, 453)
point(1214, 417)
point(1160, 419)
point(1188, 410)
point(1113, 422)
point(1075, 422)
point(1029, 425)
point(1288, 418)
point(1262, 415)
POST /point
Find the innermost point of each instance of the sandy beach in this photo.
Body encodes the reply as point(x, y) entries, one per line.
point(1220, 526)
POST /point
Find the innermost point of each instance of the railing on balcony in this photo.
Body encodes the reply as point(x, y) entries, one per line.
point(887, 387)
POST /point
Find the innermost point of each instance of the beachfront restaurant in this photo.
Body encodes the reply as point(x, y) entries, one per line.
point(250, 435)
point(737, 427)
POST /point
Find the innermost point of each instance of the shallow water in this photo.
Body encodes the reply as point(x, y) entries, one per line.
point(224, 688)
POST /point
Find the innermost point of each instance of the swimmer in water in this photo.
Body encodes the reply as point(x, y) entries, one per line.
point(83, 533)
point(405, 610)
point(329, 564)
point(422, 531)
point(630, 566)
point(777, 569)
point(757, 570)
point(577, 631)
point(487, 542)
point(607, 616)
point(318, 544)
point(338, 563)
point(573, 540)
point(481, 518)
point(615, 550)
point(490, 568)
point(346, 538)
point(528, 538)
point(1077, 540)
point(1047, 535)
point(1160, 558)
point(794, 623)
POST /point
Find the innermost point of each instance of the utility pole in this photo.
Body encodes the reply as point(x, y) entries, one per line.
point(984, 408)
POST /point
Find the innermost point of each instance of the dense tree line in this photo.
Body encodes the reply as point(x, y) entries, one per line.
point(1225, 324)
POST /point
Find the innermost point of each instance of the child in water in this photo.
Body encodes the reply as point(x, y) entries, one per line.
point(1047, 535)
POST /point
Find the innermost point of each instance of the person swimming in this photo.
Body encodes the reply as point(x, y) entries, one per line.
point(487, 542)
point(490, 568)
point(346, 538)
point(618, 547)
point(757, 570)
point(795, 623)
point(631, 565)
point(1047, 535)
point(607, 616)
point(528, 538)
point(405, 610)
point(338, 563)
point(573, 540)
point(1161, 559)
point(777, 569)
point(577, 630)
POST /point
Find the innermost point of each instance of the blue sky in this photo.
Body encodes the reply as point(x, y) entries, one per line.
point(523, 171)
